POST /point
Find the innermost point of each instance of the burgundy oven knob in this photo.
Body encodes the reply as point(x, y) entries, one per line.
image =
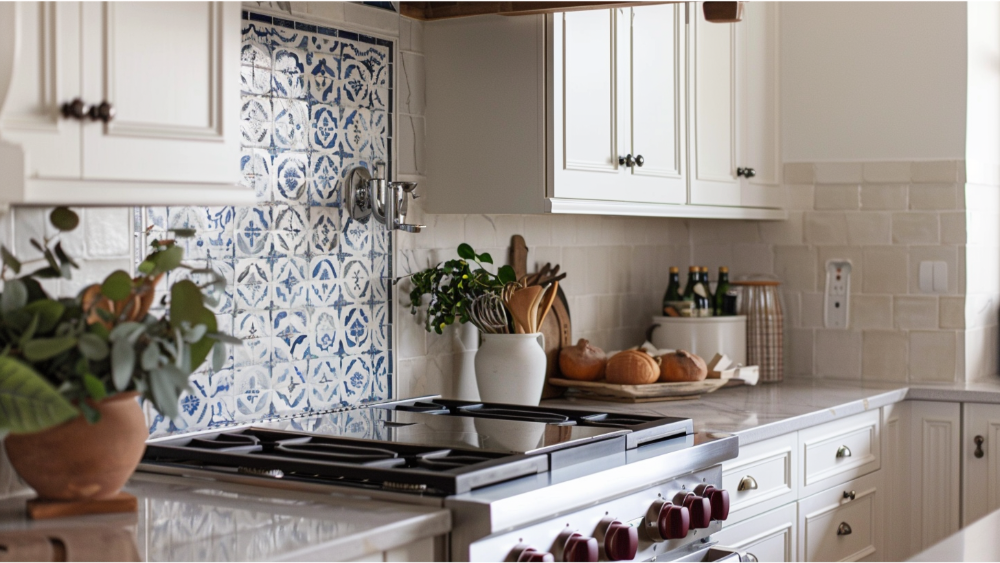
point(618, 542)
point(666, 521)
point(699, 507)
point(530, 555)
point(719, 499)
point(579, 549)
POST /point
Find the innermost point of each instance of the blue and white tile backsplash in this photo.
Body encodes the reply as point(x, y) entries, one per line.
point(307, 285)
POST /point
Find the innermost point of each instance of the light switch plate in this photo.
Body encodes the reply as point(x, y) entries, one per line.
point(933, 276)
point(837, 301)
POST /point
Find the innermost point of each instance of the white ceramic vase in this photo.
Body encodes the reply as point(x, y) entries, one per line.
point(510, 368)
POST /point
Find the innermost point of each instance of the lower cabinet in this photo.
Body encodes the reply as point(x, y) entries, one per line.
point(980, 461)
point(843, 523)
point(767, 537)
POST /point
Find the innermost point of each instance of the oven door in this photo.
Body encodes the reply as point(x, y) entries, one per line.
point(709, 552)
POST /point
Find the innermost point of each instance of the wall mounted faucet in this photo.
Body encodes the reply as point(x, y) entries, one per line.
point(375, 195)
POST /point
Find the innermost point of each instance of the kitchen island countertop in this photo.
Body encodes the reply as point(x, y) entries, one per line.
point(192, 520)
point(978, 541)
point(772, 409)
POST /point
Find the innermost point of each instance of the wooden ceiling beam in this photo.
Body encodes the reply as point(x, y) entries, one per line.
point(430, 11)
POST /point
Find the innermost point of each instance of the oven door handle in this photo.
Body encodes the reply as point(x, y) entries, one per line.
point(720, 553)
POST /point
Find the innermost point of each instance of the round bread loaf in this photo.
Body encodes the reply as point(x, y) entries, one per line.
point(682, 366)
point(632, 367)
point(582, 362)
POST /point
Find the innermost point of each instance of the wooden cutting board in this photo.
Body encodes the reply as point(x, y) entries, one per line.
point(557, 330)
point(641, 393)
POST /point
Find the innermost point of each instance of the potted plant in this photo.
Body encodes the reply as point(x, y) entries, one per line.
point(510, 364)
point(71, 368)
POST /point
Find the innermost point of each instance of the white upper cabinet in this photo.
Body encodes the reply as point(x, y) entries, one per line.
point(157, 113)
point(592, 112)
point(735, 150)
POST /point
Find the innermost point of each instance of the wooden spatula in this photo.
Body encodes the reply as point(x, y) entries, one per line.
point(546, 303)
point(519, 305)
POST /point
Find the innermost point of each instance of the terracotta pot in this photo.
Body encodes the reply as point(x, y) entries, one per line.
point(77, 460)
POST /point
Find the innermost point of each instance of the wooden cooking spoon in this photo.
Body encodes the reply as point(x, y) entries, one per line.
point(546, 303)
point(519, 305)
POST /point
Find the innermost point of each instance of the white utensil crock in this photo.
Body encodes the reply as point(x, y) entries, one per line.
point(510, 368)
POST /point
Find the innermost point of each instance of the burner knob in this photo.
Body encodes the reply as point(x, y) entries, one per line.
point(577, 547)
point(666, 521)
point(621, 542)
point(719, 499)
point(529, 555)
point(699, 507)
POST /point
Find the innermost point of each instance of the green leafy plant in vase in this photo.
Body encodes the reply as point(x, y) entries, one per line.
point(72, 367)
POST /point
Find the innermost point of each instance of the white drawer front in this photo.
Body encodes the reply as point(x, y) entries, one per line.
point(835, 528)
point(768, 537)
point(839, 451)
point(766, 472)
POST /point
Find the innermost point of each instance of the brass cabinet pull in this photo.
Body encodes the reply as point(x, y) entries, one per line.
point(979, 446)
point(844, 529)
point(843, 451)
point(747, 483)
point(850, 495)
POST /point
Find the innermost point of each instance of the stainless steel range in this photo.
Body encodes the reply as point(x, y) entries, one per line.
point(523, 483)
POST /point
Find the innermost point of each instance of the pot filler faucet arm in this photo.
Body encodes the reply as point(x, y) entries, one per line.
point(375, 195)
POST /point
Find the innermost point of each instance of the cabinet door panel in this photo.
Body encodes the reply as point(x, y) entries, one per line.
point(657, 101)
point(171, 70)
point(714, 127)
point(981, 479)
point(769, 537)
point(759, 67)
point(935, 472)
point(48, 74)
point(833, 527)
point(590, 119)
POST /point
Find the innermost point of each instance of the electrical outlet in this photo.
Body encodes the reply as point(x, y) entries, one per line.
point(837, 301)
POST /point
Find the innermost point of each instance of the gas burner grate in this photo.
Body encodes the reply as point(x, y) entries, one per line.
point(234, 443)
point(442, 461)
point(508, 413)
point(340, 453)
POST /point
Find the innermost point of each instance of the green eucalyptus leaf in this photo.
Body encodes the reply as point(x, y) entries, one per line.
point(14, 296)
point(35, 291)
point(117, 286)
point(465, 251)
point(48, 311)
point(146, 267)
point(9, 260)
point(165, 392)
point(506, 274)
point(168, 259)
point(42, 349)
point(29, 403)
point(93, 347)
point(63, 257)
point(122, 363)
point(29, 332)
point(47, 273)
point(150, 358)
point(95, 388)
point(64, 219)
point(127, 331)
point(485, 258)
point(195, 334)
point(225, 338)
point(183, 233)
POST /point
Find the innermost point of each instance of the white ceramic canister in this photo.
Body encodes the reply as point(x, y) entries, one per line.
point(704, 336)
point(510, 368)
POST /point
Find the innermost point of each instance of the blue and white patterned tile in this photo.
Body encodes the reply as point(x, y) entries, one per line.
point(289, 388)
point(253, 392)
point(324, 282)
point(324, 44)
point(356, 379)
point(356, 279)
point(355, 237)
point(355, 328)
point(290, 38)
point(291, 124)
point(256, 121)
point(255, 80)
point(255, 164)
point(225, 268)
point(289, 85)
point(290, 173)
point(381, 377)
point(380, 327)
point(289, 59)
point(251, 296)
point(219, 218)
point(354, 130)
point(252, 325)
point(379, 135)
point(324, 231)
point(325, 127)
point(290, 283)
point(254, 352)
point(156, 217)
point(187, 218)
point(252, 231)
point(361, 67)
point(323, 78)
point(324, 180)
point(256, 50)
point(323, 381)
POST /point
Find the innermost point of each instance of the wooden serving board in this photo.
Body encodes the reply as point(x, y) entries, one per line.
point(641, 393)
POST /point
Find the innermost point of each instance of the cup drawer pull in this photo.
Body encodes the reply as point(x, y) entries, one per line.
point(843, 451)
point(850, 495)
point(844, 529)
point(747, 483)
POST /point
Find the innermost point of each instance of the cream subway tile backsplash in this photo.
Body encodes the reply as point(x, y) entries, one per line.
point(884, 353)
point(838, 196)
point(935, 196)
point(866, 228)
point(886, 172)
point(936, 171)
point(915, 228)
point(951, 312)
point(883, 197)
point(884, 269)
point(933, 355)
point(838, 354)
point(838, 172)
point(915, 312)
point(871, 312)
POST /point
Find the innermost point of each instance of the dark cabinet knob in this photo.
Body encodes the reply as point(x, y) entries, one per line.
point(628, 161)
point(850, 495)
point(532, 555)
point(74, 110)
point(621, 542)
point(979, 446)
point(746, 172)
point(102, 112)
point(844, 529)
point(639, 161)
point(666, 521)
point(580, 548)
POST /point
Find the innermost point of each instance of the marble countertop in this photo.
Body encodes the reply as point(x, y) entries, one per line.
point(768, 410)
point(978, 541)
point(189, 520)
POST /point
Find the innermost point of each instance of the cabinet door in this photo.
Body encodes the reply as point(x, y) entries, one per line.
point(760, 111)
point(934, 471)
point(48, 74)
point(981, 475)
point(896, 462)
point(656, 110)
point(715, 127)
point(171, 71)
point(586, 111)
point(843, 523)
point(768, 537)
